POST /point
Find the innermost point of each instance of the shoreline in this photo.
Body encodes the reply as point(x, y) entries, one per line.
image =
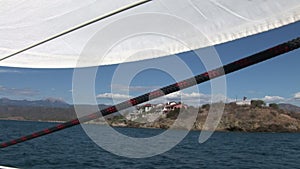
point(155, 128)
point(235, 118)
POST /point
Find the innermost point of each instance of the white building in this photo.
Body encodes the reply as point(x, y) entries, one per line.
point(244, 102)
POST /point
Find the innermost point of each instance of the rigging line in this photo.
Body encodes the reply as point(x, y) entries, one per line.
point(112, 13)
point(229, 68)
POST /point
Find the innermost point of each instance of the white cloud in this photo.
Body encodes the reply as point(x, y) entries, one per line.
point(196, 98)
point(193, 98)
point(113, 96)
point(273, 99)
point(9, 71)
point(179, 95)
point(297, 96)
point(278, 99)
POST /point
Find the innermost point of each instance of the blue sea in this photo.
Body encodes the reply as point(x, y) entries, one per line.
point(72, 149)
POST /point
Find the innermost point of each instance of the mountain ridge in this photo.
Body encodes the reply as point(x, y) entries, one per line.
point(48, 102)
point(289, 107)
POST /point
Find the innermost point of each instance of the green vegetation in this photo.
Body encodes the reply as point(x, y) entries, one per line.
point(257, 103)
point(274, 106)
point(173, 114)
point(206, 106)
point(118, 119)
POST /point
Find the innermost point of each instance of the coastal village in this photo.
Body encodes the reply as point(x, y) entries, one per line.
point(151, 112)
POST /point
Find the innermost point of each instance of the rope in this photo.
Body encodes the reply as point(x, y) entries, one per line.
point(229, 68)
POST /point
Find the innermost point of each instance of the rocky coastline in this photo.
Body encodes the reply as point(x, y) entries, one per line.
point(235, 118)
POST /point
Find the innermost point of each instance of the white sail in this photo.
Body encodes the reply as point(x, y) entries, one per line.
point(26, 22)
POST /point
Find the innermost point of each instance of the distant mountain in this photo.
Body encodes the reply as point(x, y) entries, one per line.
point(43, 110)
point(49, 102)
point(289, 107)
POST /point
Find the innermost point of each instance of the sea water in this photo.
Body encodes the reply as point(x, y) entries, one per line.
point(72, 149)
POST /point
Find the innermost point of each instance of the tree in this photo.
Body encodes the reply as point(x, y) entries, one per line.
point(206, 106)
point(173, 114)
point(257, 103)
point(274, 105)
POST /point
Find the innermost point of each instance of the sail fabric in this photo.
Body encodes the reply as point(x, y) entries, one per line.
point(155, 29)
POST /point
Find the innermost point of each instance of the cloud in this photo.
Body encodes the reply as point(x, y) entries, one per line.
point(193, 98)
point(279, 99)
point(179, 95)
point(113, 96)
point(198, 99)
point(273, 99)
point(9, 71)
point(188, 98)
point(297, 96)
point(18, 92)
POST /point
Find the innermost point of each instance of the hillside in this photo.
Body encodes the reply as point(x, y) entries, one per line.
point(235, 118)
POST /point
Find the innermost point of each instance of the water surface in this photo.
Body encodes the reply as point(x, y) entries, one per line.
point(72, 149)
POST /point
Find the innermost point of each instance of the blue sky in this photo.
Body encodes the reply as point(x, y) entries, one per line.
point(276, 80)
